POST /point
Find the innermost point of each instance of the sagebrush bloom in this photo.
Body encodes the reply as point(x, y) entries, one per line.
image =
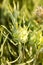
point(23, 34)
point(39, 11)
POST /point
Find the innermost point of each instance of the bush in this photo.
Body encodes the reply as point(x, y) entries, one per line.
point(21, 32)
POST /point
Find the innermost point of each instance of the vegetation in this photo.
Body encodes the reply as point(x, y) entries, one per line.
point(21, 32)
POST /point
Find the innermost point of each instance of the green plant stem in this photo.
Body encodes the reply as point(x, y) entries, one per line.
point(2, 46)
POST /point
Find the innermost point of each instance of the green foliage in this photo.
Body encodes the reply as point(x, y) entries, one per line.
point(21, 35)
